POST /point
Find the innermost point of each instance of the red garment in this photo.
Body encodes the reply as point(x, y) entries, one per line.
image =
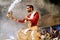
point(34, 21)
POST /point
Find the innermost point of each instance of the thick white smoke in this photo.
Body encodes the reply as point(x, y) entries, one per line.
point(13, 5)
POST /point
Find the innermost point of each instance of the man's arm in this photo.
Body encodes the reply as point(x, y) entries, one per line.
point(24, 20)
point(21, 21)
point(18, 20)
point(10, 16)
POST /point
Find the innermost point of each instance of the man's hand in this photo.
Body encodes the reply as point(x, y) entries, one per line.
point(9, 14)
point(27, 18)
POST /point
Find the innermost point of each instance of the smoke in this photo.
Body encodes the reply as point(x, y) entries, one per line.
point(13, 5)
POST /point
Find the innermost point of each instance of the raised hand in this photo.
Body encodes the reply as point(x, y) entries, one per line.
point(9, 14)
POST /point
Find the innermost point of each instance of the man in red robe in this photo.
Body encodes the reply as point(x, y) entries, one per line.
point(32, 18)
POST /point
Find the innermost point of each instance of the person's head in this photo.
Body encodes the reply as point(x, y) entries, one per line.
point(29, 8)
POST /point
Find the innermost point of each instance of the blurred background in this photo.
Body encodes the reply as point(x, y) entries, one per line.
point(48, 9)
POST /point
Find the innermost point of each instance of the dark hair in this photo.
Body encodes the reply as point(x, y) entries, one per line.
point(31, 6)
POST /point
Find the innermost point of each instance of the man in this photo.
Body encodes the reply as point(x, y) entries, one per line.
point(32, 18)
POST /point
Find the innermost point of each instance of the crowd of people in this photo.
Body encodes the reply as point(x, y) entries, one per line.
point(53, 34)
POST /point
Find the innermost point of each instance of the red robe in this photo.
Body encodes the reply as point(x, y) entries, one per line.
point(34, 20)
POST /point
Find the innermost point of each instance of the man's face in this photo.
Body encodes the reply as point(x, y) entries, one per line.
point(28, 9)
